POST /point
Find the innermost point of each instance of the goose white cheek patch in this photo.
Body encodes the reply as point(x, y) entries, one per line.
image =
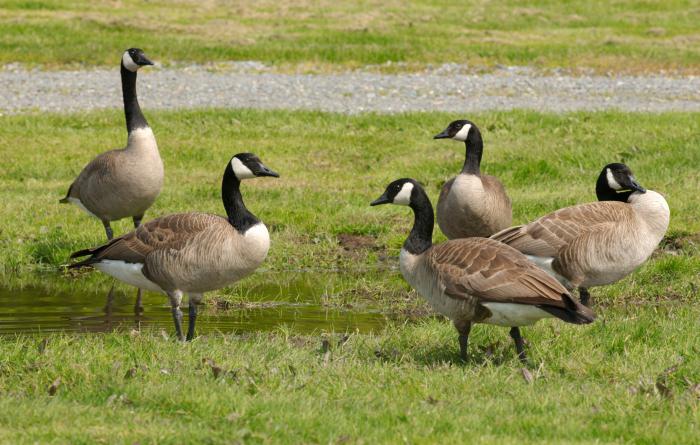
point(462, 133)
point(404, 196)
point(240, 170)
point(611, 181)
point(129, 62)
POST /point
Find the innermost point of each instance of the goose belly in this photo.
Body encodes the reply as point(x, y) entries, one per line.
point(611, 274)
point(129, 273)
point(513, 314)
point(81, 206)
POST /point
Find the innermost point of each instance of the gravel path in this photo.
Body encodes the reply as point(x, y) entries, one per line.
point(247, 84)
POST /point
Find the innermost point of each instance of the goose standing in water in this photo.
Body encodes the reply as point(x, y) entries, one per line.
point(190, 252)
point(597, 243)
point(124, 182)
point(471, 204)
point(476, 280)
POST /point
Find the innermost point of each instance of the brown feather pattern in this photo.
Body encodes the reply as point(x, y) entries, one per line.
point(492, 271)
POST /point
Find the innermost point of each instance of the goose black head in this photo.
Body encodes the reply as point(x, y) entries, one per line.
point(457, 130)
point(135, 58)
point(615, 180)
point(399, 192)
point(247, 165)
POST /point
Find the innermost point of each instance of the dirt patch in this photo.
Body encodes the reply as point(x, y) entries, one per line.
point(674, 244)
point(354, 243)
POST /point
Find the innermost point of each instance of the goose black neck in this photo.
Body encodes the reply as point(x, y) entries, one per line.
point(605, 193)
point(238, 215)
point(132, 111)
point(475, 147)
point(421, 237)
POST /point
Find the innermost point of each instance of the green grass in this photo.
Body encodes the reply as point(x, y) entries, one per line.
point(332, 166)
point(622, 36)
point(629, 377)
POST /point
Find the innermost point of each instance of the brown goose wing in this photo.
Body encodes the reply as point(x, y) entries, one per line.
point(93, 173)
point(548, 234)
point(492, 271)
point(493, 186)
point(170, 232)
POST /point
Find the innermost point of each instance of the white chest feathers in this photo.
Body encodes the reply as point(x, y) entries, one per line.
point(142, 138)
point(653, 209)
point(467, 190)
point(256, 242)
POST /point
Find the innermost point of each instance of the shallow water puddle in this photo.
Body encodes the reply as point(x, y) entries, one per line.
point(270, 301)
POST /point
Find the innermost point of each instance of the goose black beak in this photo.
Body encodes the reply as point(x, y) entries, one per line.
point(634, 185)
point(264, 171)
point(143, 60)
point(443, 135)
point(381, 200)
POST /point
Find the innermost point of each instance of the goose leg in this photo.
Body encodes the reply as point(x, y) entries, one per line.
point(108, 305)
point(175, 300)
point(584, 296)
point(108, 230)
point(519, 343)
point(194, 300)
point(138, 308)
point(463, 328)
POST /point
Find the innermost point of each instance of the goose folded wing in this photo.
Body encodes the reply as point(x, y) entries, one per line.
point(491, 271)
point(170, 232)
point(547, 235)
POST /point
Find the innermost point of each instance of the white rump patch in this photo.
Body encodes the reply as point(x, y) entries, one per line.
point(611, 181)
point(129, 62)
point(240, 169)
point(129, 273)
point(462, 133)
point(545, 263)
point(77, 202)
point(514, 314)
point(404, 196)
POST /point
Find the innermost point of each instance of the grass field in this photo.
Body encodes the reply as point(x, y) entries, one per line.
point(622, 36)
point(630, 377)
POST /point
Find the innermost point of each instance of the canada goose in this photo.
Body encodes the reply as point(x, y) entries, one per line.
point(476, 280)
point(190, 252)
point(471, 204)
point(596, 243)
point(123, 182)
